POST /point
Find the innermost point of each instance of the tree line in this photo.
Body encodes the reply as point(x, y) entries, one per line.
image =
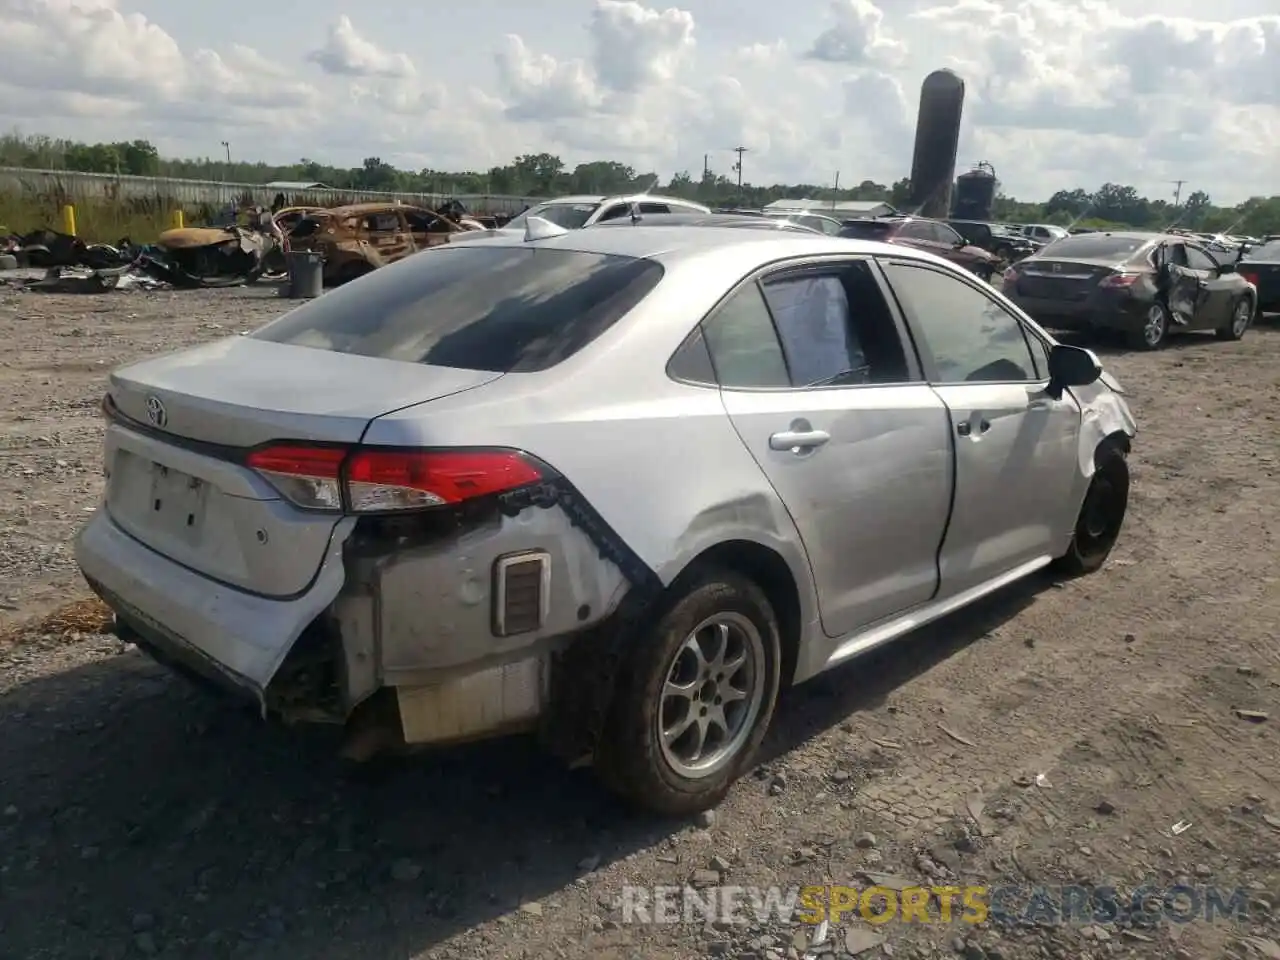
point(544, 174)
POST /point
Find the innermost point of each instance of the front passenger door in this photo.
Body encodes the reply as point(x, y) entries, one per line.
point(816, 381)
point(1015, 447)
point(1216, 291)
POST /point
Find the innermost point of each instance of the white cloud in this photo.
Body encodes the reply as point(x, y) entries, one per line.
point(346, 53)
point(857, 36)
point(1060, 93)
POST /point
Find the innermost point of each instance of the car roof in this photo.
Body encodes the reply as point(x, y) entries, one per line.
point(741, 249)
point(625, 197)
point(735, 220)
point(355, 209)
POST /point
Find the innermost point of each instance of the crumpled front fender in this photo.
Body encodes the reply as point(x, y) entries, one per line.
point(1103, 413)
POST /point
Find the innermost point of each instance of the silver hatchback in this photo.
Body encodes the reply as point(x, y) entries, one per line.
point(615, 486)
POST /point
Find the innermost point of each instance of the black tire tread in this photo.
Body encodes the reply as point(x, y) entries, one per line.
point(1074, 563)
point(627, 759)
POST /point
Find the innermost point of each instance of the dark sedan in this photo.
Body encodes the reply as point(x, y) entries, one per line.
point(931, 235)
point(1261, 267)
point(1142, 285)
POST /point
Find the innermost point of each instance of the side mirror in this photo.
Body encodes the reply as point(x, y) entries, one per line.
point(1072, 367)
point(1226, 268)
point(961, 243)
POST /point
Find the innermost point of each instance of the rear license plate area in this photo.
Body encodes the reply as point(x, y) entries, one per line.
point(177, 503)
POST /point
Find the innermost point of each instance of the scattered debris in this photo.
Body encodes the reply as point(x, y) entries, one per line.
point(858, 940)
point(955, 736)
point(1042, 780)
point(1254, 716)
point(1181, 827)
point(1105, 807)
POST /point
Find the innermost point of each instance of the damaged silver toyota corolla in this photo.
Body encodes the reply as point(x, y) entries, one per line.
point(615, 486)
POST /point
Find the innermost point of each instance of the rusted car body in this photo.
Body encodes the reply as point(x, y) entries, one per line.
point(219, 256)
point(289, 217)
point(359, 238)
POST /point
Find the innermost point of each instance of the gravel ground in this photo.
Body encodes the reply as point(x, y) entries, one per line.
point(1055, 734)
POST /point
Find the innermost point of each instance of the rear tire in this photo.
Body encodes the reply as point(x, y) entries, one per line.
point(695, 698)
point(1154, 331)
point(1241, 319)
point(1101, 516)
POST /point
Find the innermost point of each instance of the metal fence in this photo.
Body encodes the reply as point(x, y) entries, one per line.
point(73, 187)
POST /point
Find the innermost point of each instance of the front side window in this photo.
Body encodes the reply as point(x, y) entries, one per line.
point(476, 307)
point(970, 337)
point(1198, 259)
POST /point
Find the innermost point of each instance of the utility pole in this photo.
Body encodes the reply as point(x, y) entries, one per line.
point(706, 165)
point(835, 193)
point(1177, 190)
point(738, 166)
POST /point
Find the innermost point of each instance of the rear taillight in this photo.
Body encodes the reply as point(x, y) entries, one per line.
point(1119, 280)
point(1250, 278)
point(370, 480)
point(310, 477)
point(105, 407)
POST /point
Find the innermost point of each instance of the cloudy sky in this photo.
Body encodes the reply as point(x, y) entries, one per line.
point(1061, 93)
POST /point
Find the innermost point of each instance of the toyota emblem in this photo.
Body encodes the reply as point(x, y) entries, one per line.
point(156, 412)
point(1057, 268)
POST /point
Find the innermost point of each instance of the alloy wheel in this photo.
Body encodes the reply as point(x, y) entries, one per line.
point(712, 695)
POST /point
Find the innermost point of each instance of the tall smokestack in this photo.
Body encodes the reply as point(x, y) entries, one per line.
point(933, 167)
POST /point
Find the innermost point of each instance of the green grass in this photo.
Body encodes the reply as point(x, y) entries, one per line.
point(140, 220)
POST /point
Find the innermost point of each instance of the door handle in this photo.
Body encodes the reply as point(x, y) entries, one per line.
point(798, 439)
point(965, 427)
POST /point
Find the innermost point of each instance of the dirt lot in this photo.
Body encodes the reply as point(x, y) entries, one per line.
point(139, 818)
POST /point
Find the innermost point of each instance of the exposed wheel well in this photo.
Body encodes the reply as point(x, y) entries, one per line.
point(767, 569)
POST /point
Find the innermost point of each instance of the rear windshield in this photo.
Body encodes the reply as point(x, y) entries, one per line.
point(1094, 246)
point(482, 307)
point(867, 230)
point(1267, 251)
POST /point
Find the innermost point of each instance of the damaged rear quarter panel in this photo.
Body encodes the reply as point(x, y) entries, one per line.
point(431, 604)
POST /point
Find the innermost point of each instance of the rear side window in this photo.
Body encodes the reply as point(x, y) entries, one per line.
point(1094, 247)
point(744, 344)
point(1268, 251)
point(482, 307)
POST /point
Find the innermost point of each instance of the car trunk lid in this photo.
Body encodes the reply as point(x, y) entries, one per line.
point(176, 479)
point(1061, 279)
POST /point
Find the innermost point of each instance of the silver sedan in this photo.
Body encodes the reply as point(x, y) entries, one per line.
point(617, 486)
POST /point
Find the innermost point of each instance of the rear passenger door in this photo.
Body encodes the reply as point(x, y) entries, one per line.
point(834, 411)
point(1016, 447)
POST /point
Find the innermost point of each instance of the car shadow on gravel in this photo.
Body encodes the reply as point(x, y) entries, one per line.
point(865, 683)
point(142, 817)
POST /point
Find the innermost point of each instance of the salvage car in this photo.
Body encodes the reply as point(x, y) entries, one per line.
point(573, 213)
point(1002, 242)
point(1261, 267)
point(217, 256)
point(359, 238)
point(618, 486)
point(1143, 286)
point(923, 234)
point(816, 221)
